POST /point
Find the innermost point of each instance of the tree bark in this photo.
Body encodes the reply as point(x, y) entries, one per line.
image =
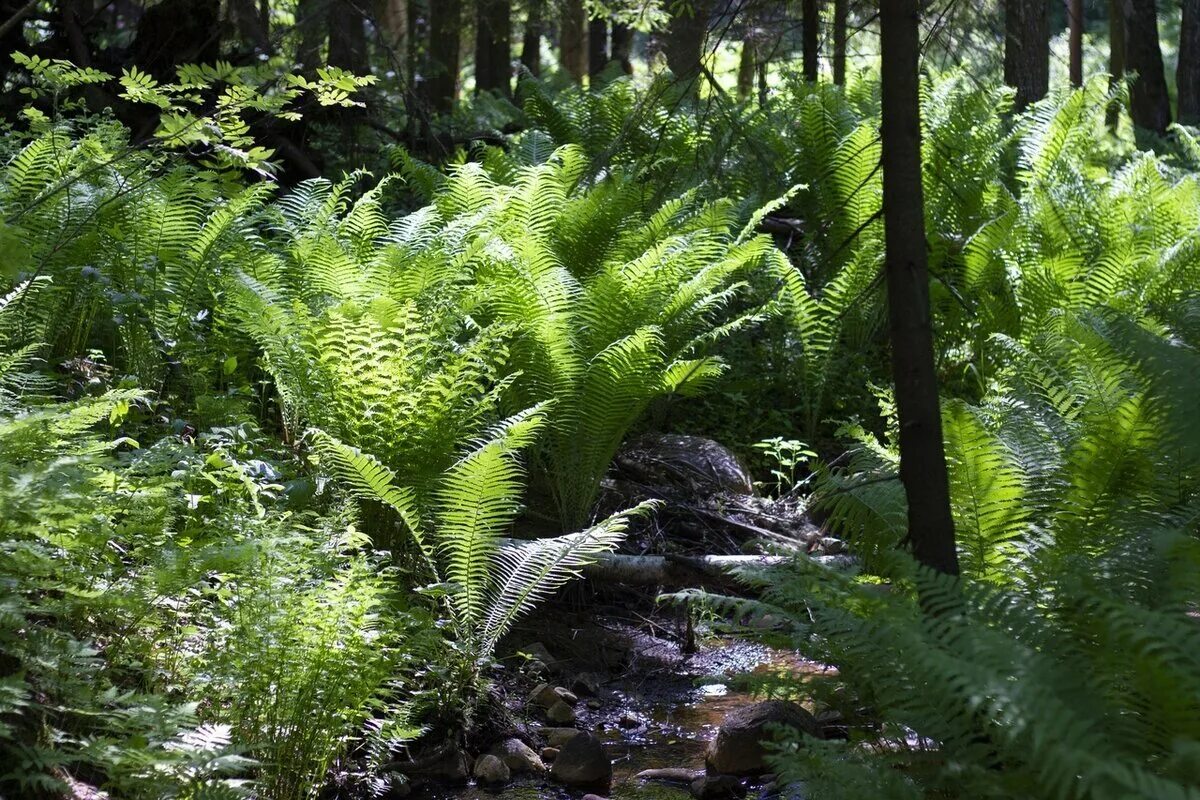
point(347, 39)
point(841, 11)
point(393, 20)
point(622, 46)
point(597, 48)
point(493, 46)
point(248, 23)
point(311, 23)
point(746, 64)
point(1075, 41)
point(1149, 104)
point(1116, 58)
point(922, 453)
point(572, 40)
point(445, 44)
point(531, 40)
point(810, 12)
point(1027, 49)
point(1187, 74)
point(685, 37)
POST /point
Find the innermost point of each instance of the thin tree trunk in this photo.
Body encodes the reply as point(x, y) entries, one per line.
point(1149, 104)
point(840, 12)
point(1027, 49)
point(247, 23)
point(347, 39)
point(1187, 74)
point(310, 20)
point(622, 46)
point(572, 39)
point(445, 43)
point(746, 64)
point(531, 40)
point(1075, 41)
point(393, 19)
point(685, 42)
point(597, 48)
point(1116, 57)
point(493, 46)
point(922, 454)
point(810, 12)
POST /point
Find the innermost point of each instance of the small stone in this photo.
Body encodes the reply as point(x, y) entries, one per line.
point(566, 696)
point(628, 721)
point(586, 684)
point(561, 713)
point(739, 746)
point(549, 754)
point(535, 669)
point(583, 762)
point(717, 787)
point(593, 704)
point(593, 797)
point(518, 757)
point(536, 651)
point(670, 774)
point(543, 695)
point(491, 771)
point(557, 737)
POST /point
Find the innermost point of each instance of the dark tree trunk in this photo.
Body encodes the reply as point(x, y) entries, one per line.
point(493, 46)
point(249, 25)
point(746, 64)
point(1075, 41)
point(347, 39)
point(840, 12)
point(1027, 49)
point(531, 40)
point(810, 12)
point(445, 46)
point(684, 45)
point(1116, 57)
point(1149, 104)
point(922, 454)
point(311, 16)
point(572, 40)
point(1187, 74)
point(622, 46)
point(394, 31)
point(597, 48)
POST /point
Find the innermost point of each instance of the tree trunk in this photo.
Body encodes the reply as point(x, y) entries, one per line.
point(393, 19)
point(310, 22)
point(493, 46)
point(597, 48)
point(247, 24)
point(746, 64)
point(531, 40)
point(1075, 41)
point(922, 453)
point(810, 13)
point(1187, 74)
point(572, 40)
point(1116, 58)
point(685, 37)
point(840, 12)
point(347, 39)
point(1027, 49)
point(1149, 104)
point(622, 46)
point(445, 44)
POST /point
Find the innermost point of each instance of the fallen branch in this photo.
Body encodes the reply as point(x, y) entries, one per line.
point(677, 571)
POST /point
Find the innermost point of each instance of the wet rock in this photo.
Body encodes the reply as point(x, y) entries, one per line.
point(560, 713)
point(671, 774)
point(586, 684)
point(593, 704)
point(535, 669)
point(491, 771)
point(518, 757)
point(448, 766)
point(583, 762)
point(557, 737)
point(717, 787)
point(566, 695)
point(549, 754)
point(687, 461)
point(593, 797)
point(543, 695)
point(629, 721)
point(536, 651)
point(738, 747)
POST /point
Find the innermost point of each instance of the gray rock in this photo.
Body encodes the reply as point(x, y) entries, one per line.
point(566, 695)
point(543, 695)
point(670, 774)
point(717, 787)
point(549, 754)
point(450, 766)
point(557, 737)
point(738, 747)
point(586, 684)
point(593, 797)
point(536, 651)
point(560, 713)
point(593, 704)
point(518, 757)
point(491, 771)
point(628, 720)
point(583, 762)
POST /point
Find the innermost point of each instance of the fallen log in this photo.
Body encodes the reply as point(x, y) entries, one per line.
point(679, 571)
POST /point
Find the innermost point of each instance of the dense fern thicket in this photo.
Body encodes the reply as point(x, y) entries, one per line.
point(265, 453)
